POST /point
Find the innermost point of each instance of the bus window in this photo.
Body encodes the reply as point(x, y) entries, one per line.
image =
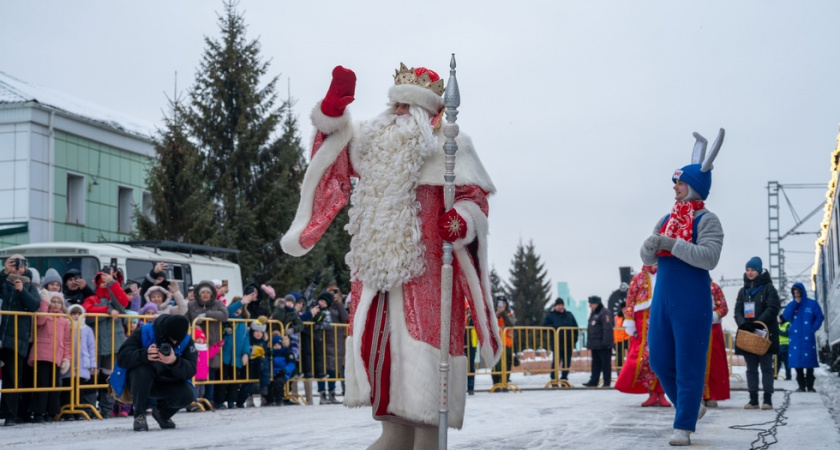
point(88, 265)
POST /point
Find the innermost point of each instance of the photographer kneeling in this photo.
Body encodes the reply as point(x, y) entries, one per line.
point(157, 361)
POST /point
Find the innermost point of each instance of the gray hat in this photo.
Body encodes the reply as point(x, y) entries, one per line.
point(51, 276)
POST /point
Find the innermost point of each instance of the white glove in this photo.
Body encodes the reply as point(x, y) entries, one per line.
point(630, 327)
point(715, 317)
point(202, 315)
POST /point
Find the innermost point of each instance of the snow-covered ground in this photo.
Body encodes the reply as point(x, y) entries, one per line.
point(573, 418)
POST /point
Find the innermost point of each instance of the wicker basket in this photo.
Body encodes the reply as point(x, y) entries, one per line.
point(751, 342)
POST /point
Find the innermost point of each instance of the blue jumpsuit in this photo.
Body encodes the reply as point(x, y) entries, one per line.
point(678, 337)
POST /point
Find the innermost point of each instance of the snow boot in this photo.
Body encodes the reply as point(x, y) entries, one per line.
point(394, 437)
point(249, 403)
point(140, 423)
point(702, 411)
point(753, 404)
point(324, 399)
point(334, 400)
point(307, 390)
point(800, 380)
point(768, 401)
point(711, 403)
point(809, 383)
point(652, 399)
point(662, 400)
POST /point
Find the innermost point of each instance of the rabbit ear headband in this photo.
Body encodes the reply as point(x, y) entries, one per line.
point(698, 155)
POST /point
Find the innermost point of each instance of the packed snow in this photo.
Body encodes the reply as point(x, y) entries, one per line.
point(533, 419)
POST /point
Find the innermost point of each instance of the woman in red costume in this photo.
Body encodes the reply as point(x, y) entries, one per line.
point(636, 377)
point(717, 370)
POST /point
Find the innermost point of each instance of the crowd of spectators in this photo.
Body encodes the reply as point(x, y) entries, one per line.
point(255, 350)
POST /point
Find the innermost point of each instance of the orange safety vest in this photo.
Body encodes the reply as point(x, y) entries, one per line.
point(619, 335)
point(508, 336)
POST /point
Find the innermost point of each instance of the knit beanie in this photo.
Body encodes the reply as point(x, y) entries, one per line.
point(149, 309)
point(199, 334)
point(559, 301)
point(259, 324)
point(327, 297)
point(174, 326)
point(691, 175)
point(595, 299)
point(755, 264)
point(276, 340)
point(51, 276)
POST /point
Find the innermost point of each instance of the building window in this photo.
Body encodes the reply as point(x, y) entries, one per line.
point(148, 212)
point(75, 199)
point(125, 209)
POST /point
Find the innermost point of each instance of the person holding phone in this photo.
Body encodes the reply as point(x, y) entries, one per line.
point(155, 277)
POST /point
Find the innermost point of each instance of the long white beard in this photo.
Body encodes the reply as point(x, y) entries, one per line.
point(386, 248)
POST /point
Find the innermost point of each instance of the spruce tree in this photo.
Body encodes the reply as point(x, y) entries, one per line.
point(182, 209)
point(496, 287)
point(254, 174)
point(528, 288)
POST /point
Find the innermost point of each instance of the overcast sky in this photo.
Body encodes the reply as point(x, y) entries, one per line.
point(580, 110)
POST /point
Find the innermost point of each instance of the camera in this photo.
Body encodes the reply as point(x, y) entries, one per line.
point(19, 262)
point(165, 349)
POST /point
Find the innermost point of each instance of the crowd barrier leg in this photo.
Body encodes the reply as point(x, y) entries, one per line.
point(556, 382)
point(504, 384)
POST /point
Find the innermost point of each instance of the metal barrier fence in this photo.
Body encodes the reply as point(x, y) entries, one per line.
point(534, 350)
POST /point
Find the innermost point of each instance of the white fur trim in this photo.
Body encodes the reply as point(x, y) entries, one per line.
point(327, 124)
point(323, 159)
point(415, 373)
point(468, 167)
point(416, 95)
point(414, 369)
point(469, 211)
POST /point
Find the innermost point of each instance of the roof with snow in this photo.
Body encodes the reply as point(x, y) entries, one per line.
point(13, 90)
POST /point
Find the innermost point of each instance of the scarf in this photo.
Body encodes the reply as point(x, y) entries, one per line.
point(681, 222)
point(650, 269)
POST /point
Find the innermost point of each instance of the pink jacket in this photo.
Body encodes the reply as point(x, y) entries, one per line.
point(202, 368)
point(51, 329)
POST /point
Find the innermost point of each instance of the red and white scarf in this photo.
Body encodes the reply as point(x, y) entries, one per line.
point(681, 222)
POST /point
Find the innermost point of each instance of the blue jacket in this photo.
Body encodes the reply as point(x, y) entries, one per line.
point(806, 317)
point(132, 354)
point(240, 335)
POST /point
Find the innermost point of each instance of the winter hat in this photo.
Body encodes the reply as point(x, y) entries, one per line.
point(699, 181)
point(51, 276)
point(289, 298)
point(72, 273)
point(56, 294)
point(259, 324)
point(421, 87)
point(327, 296)
point(149, 309)
point(133, 319)
point(199, 334)
point(276, 340)
point(36, 276)
point(754, 263)
point(74, 307)
point(208, 285)
point(174, 326)
point(217, 283)
point(594, 299)
point(559, 301)
point(166, 295)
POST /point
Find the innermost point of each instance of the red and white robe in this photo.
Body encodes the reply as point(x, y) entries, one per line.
point(717, 367)
point(393, 356)
point(636, 376)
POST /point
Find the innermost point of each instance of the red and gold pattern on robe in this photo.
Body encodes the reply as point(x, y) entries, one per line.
point(717, 369)
point(636, 376)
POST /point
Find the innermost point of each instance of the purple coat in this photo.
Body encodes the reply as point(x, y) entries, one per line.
point(85, 349)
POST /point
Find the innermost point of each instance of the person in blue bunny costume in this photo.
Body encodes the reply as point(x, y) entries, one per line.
point(686, 244)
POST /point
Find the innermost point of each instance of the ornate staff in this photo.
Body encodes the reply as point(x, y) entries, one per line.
point(452, 99)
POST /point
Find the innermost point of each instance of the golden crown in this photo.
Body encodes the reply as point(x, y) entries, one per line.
point(408, 76)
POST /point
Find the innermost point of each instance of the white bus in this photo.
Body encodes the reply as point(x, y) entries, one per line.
point(188, 263)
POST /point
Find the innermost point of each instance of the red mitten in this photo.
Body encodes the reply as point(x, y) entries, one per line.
point(451, 226)
point(341, 92)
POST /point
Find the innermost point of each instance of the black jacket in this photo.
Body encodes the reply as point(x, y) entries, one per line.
point(566, 319)
point(132, 354)
point(76, 296)
point(767, 306)
point(600, 329)
point(27, 300)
